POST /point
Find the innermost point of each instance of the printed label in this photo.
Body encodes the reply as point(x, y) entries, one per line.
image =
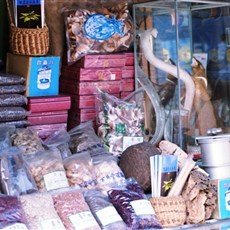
point(108, 215)
point(142, 207)
point(44, 76)
point(52, 224)
point(17, 226)
point(55, 180)
point(83, 220)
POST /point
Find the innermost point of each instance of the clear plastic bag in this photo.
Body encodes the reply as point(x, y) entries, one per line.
point(27, 140)
point(102, 208)
point(84, 138)
point(119, 119)
point(100, 29)
point(11, 211)
point(47, 169)
point(13, 99)
point(80, 170)
point(59, 139)
point(11, 79)
point(108, 173)
point(16, 178)
point(5, 89)
point(133, 206)
point(73, 209)
point(12, 113)
point(5, 132)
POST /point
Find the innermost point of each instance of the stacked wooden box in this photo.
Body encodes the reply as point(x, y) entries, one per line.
point(128, 75)
point(81, 80)
point(48, 114)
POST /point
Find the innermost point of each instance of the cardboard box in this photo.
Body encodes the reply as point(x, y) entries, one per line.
point(41, 73)
point(222, 210)
point(48, 104)
point(90, 74)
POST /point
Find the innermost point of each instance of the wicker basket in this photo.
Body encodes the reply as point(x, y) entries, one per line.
point(170, 211)
point(27, 41)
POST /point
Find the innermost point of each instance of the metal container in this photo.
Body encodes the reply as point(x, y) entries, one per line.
point(217, 172)
point(215, 150)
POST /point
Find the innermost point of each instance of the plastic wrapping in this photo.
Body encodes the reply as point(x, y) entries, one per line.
point(80, 170)
point(27, 140)
point(84, 138)
point(104, 211)
point(97, 30)
point(12, 113)
point(108, 173)
point(5, 132)
point(40, 212)
point(13, 100)
point(11, 211)
point(5, 89)
point(47, 169)
point(11, 79)
point(133, 206)
point(119, 119)
point(73, 210)
point(17, 124)
point(59, 139)
point(16, 178)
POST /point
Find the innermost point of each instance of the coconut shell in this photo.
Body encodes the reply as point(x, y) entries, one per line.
point(135, 162)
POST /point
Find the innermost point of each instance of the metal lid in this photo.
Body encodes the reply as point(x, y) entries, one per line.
point(210, 139)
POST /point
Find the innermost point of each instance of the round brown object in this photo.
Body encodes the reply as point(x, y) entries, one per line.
point(135, 162)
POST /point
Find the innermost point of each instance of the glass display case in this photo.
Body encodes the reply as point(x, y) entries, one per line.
point(182, 60)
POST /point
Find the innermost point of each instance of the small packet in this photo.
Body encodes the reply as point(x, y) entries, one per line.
point(16, 179)
point(102, 208)
point(47, 169)
point(80, 170)
point(13, 100)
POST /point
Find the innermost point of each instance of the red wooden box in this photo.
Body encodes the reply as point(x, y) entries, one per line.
point(127, 85)
point(48, 117)
point(128, 72)
point(82, 115)
point(85, 101)
point(90, 74)
point(87, 88)
point(48, 104)
point(129, 56)
point(101, 60)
